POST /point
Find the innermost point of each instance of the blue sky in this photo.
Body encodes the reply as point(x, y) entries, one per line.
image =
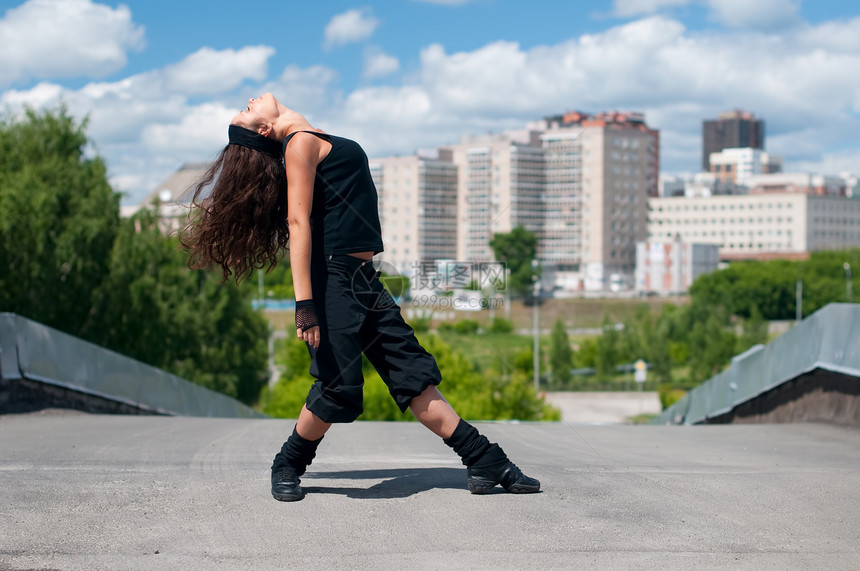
point(159, 80)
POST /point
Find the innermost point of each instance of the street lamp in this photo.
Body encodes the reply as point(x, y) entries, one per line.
point(536, 323)
point(847, 267)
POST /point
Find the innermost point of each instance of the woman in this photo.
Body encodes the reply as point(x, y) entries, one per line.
point(281, 179)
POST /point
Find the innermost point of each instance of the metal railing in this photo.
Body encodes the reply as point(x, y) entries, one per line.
point(829, 339)
point(35, 352)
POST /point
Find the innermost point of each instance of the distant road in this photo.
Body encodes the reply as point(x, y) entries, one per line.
point(604, 407)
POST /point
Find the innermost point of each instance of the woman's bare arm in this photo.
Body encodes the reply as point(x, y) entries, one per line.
point(301, 158)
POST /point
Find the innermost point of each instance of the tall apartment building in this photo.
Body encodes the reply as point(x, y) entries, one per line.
point(600, 170)
point(579, 182)
point(760, 224)
point(500, 187)
point(417, 208)
point(734, 129)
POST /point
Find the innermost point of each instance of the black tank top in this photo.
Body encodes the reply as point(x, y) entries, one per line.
point(345, 210)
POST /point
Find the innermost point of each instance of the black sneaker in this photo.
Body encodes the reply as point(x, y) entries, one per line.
point(512, 479)
point(285, 484)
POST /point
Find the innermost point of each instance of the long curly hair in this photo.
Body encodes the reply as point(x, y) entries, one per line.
point(241, 225)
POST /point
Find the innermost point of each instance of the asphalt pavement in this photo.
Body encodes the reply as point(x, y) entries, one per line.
point(122, 492)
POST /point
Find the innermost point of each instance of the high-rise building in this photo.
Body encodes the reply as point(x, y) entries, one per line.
point(500, 187)
point(417, 208)
point(735, 129)
point(579, 182)
point(600, 170)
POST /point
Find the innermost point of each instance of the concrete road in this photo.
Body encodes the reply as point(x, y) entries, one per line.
point(120, 492)
point(604, 407)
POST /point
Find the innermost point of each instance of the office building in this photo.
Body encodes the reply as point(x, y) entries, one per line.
point(758, 225)
point(735, 166)
point(671, 266)
point(735, 129)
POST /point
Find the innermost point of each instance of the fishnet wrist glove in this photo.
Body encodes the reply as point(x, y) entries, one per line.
point(306, 315)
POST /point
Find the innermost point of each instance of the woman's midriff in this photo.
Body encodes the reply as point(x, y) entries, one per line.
point(362, 255)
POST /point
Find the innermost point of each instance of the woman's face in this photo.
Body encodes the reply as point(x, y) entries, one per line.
point(260, 111)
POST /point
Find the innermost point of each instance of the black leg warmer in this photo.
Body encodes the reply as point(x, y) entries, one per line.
point(470, 444)
point(487, 465)
point(297, 452)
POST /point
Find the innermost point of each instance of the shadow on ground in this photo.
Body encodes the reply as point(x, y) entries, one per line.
point(396, 483)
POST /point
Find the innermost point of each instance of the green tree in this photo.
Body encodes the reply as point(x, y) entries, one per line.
point(277, 282)
point(516, 249)
point(755, 331)
point(560, 354)
point(154, 309)
point(713, 346)
point(69, 262)
point(607, 350)
point(770, 287)
point(58, 219)
point(586, 354)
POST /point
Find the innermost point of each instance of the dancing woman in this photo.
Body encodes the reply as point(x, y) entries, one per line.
point(281, 184)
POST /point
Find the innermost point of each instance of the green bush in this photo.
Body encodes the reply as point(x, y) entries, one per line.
point(445, 327)
point(501, 325)
point(466, 326)
point(669, 395)
point(420, 324)
point(474, 394)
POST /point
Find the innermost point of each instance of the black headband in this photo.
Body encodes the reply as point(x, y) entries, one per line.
point(247, 138)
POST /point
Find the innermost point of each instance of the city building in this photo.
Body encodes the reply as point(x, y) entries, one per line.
point(737, 165)
point(580, 182)
point(758, 225)
point(671, 185)
point(417, 208)
point(600, 171)
point(172, 196)
point(734, 129)
point(501, 182)
point(804, 183)
point(671, 266)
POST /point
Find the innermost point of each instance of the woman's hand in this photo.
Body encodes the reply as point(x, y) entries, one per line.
point(307, 324)
point(310, 336)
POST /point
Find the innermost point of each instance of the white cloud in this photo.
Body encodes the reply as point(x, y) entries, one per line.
point(65, 38)
point(836, 36)
point(627, 8)
point(208, 71)
point(801, 84)
point(310, 91)
point(349, 27)
point(756, 14)
point(145, 125)
point(652, 65)
point(200, 127)
point(378, 63)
